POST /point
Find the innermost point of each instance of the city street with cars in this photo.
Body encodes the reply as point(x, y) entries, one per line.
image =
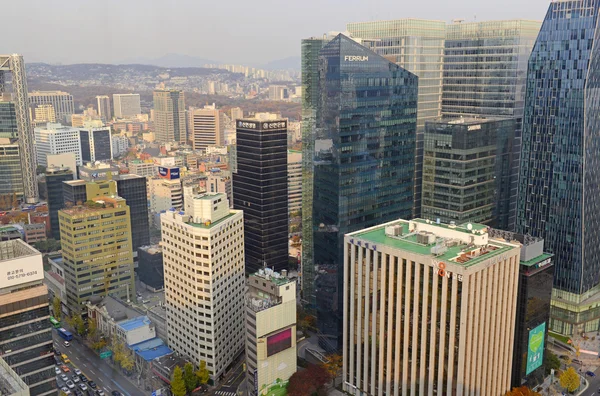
point(86, 374)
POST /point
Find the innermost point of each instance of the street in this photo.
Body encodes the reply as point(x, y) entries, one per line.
point(232, 381)
point(94, 368)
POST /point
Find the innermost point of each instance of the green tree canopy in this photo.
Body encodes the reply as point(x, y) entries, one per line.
point(570, 380)
point(177, 383)
point(203, 374)
point(189, 377)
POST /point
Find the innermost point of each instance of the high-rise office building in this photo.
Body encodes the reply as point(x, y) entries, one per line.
point(260, 190)
point(236, 113)
point(126, 105)
point(278, 92)
point(54, 178)
point(8, 118)
point(56, 139)
point(25, 332)
point(132, 188)
point(15, 65)
point(363, 160)
point(467, 171)
point(485, 67)
point(560, 172)
point(417, 45)
point(44, 114)
point(169, 116)
point(310, 49)
point(428, 309)
point(270, 331)
point(11, 177)
point(536, 271)
point(204, 293)
point(207, 127)
point(96, 250)
point(104, 109)
point(10, 382)
point(294, 181)
point(95, 141)
point(165, 192)
point(62, 102)
point(120, 144)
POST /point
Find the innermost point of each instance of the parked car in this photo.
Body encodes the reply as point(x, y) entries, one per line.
point(577, 361)
point(75, 378)
point(70, 384)
point(92, 384)
point(83, 378)
point(83, 387)
point(77, 371)
point(590, 374)
point(57, 371)
point(65, 390)
point(65, 368)
point(100, 392)
point(116, 393)
point(64, 377)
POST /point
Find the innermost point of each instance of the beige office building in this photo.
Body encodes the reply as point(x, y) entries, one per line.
point(270, 331)
point(126, 105)
point(203, 255)
point(207, 127)
point(429, 309)
point(44, 114)
point(169, 116)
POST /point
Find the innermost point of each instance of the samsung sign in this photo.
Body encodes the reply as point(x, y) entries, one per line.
point(354, 58)
point(168, 173)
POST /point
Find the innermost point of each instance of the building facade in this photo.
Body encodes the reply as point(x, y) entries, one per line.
point(126, 105)
point(62, 102)
point(205, 246)
point(425, 309)
point(363, 165)
point(467, 171)
point(558, 193)
point(55, 197)
point(150, 267)
point(104, 108)
point(169, 116)
point(142, 168)
point(416, 45)
point(11, 177)
point(56, 139)
point(96, 144)
point(164, 194)
point(44, 114)
point(25, 330)
point(294, 181)
point(120, 145)
point(8, 118)
point(220, 181)
point(260, 190)
point(96, 250)
point(270, 331)
point(207, 127)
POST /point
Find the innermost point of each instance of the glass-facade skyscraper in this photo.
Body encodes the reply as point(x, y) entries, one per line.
point(363, 160)
point(559, 193)
point(418, 46)
point(485, 67)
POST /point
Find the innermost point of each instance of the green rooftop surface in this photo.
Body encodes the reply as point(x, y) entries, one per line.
point(409, 243)
point(536, 260)
point(211, 225)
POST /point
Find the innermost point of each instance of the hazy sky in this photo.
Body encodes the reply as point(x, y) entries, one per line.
point(249, 32)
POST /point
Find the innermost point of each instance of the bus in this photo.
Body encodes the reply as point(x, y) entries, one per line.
point(55, 323)
point(64, 334)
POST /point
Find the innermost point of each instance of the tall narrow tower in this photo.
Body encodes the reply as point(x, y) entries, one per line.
point(15, 65)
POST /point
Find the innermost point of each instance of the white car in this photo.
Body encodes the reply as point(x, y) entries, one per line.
point(83, 386)
point(75, 378)
point(70, 384)
point(77, 371)
point(67, 343)
point(57, 371)
point(65, 390)
point(100, 392)
point(64, 377)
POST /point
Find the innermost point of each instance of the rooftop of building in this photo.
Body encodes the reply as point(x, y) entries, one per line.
point(134, 323)
point(56, 277)
point(16, 248)
point(465, 244)
point(279, 279)
point(152, 249)
point(52, 171)
point(96, 204)
point(209, 224)
point(115, 308)
point(151, 349)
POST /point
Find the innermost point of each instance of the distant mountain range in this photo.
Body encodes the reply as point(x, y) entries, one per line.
point(179, 60)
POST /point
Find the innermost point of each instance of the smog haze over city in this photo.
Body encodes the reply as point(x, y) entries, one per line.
point(244, 32)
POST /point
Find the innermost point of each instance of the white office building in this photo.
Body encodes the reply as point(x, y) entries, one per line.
point(53, 139)
point(120, 145)
point(126, 105)
point(62, 102)
point(203, 255)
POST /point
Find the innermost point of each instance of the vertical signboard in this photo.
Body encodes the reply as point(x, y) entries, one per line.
point(535, 348)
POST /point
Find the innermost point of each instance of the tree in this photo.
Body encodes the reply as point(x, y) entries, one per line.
point(92, 330)
point(333, 365)
point(177, 383)
point(308, 382)
point(80, 326)
point(99, 345)
point(551, 361)
point(570, 379)
point(56, 307)
point(203, 374)
point(189, 377)
point(522, 391)
point(127, 362)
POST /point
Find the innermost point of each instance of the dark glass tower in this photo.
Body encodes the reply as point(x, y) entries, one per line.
point(132, 188)
point(364, 160)
point(467, 171)
point(559, 185)
point(260, 190)
point(54, 190)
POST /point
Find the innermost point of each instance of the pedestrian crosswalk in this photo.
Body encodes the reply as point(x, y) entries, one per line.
point(225, 393)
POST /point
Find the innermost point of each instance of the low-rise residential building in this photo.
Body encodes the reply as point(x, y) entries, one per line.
point(108, 312)
point(136, 330)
